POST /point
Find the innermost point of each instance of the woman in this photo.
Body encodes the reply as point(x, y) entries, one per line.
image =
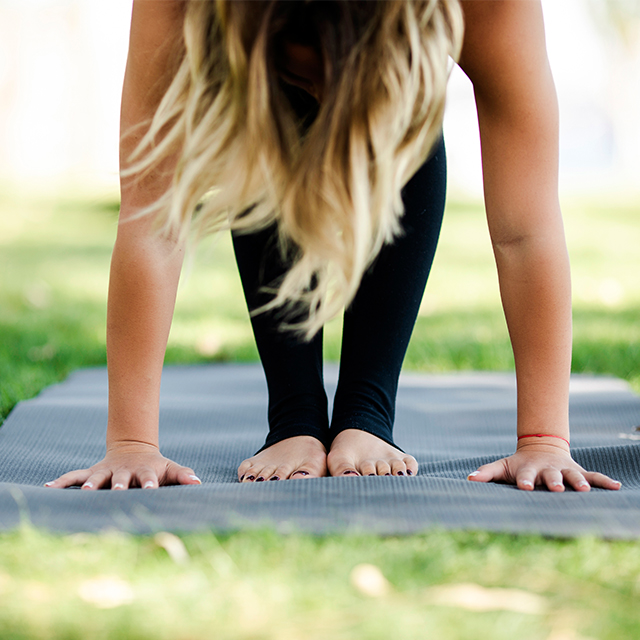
point(313, 130)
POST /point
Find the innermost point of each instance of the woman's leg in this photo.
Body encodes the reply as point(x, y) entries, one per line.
point(298, 422)
point(377, 329)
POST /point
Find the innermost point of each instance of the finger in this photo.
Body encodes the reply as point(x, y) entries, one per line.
point(553, 479)
point(398, 468)
point(492, 472)
point(526, 478)
point(97, 480)
point(576, 480)
point(120, 480)
point(181, 475)
point(148, 479)
point(412, 465)
point(71, 479)
point(596, 479)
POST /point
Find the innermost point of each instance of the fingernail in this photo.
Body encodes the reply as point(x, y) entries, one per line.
point(583, 484)
point(526, 483)
point(117, 485)
point(50, 484)
point(473, 475)
point(260, 479)
point(274, 478)
point(409, 472)
point(148, 484)
point(400, 473)
point(88, 485)
point(617, 483)
point(196, 479)
point(556, 484)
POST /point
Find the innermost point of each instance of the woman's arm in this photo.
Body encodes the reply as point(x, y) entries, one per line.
point(145, 270)
point(504, 55)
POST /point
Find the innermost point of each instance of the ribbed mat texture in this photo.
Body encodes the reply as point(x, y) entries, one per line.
point(214, 416)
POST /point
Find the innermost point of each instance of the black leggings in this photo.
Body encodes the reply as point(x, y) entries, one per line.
point(377, 324)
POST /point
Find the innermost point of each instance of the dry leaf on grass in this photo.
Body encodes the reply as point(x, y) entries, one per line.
point(173, 546)
point(370, 581)
point(106, 592)
point(476, 598)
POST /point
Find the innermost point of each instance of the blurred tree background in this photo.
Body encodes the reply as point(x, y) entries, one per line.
point(61, 67)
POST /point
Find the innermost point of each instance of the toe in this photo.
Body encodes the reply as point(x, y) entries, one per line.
point(412, 465)
point(249, 475)
point(339, 465)
point(368, 468)
point(398, 468)
point(244, 467)
point(300, 473)
point(265, 473)
point(281, 472)
point(383, 468)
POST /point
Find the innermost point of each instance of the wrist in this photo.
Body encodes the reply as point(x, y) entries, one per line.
point(131, 446)
point(543, 440)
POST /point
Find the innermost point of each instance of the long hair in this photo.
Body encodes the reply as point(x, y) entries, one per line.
point(333, 188)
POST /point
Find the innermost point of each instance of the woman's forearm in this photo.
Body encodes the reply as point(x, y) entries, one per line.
point(536, 294)
point(144, 277)
point(145, 267)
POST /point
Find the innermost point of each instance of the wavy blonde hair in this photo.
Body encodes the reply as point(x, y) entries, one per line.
point(246, 161)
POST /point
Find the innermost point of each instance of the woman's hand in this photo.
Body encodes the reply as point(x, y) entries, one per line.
point(542, 464)
point(128, 465)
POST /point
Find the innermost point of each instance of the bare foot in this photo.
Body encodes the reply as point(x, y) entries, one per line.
point(297, 457)
point(359, 453)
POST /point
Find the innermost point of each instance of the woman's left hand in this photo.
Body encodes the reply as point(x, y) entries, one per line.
point(542, 464)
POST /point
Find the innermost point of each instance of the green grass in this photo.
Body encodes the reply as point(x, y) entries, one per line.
point(54, 258)
point(256, 585)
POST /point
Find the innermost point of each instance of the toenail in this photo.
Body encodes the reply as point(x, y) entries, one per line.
point(387, 474)
point(304, 473)
point(251, 477)
point(400, 473)
point(274, 478)
point(241, 479)
point(348, 472)
point(372, 474)
point(260, 479)
point(409, 472)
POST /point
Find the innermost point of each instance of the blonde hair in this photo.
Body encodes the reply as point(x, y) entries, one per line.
point(246, 161)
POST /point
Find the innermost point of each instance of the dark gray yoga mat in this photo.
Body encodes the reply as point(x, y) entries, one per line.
point(212, 417)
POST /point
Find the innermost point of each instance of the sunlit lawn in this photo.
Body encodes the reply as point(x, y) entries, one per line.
point(54, 260)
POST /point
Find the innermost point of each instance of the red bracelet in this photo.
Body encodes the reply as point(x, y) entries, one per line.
point(543, 435)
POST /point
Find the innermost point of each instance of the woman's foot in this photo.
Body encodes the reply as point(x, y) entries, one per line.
point(297, 457)
point(359, 453)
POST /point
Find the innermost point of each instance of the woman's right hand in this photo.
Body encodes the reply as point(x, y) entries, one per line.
point(128, 465)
